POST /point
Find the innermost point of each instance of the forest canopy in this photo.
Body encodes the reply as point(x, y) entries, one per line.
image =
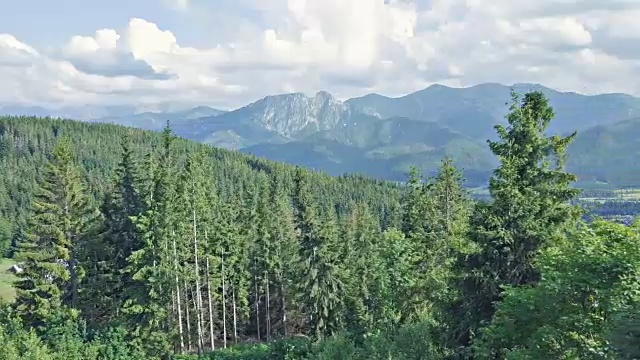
point(141, 245)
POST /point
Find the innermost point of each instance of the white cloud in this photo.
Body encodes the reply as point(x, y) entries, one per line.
point(105, 39)
point(348, 47)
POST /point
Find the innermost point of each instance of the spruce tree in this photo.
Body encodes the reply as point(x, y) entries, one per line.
point(361, 263)
point(193, 216)
point(282, 263)
point(320, 288)
point(62, 222)
point(414, 206)
point(447, 216)
point(108, 255)
point(147, 303)
point(530, 210)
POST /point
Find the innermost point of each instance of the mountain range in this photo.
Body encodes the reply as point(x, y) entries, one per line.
point(382, 136)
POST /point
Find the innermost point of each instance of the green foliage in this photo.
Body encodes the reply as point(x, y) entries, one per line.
point(588, 282)
point(57, 236)
point(530, 211)
point(624, 335)
point(198, 252)
point(6, 234)
point(320, 282)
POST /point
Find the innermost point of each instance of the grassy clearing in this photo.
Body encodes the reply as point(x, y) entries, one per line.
point(7, 292)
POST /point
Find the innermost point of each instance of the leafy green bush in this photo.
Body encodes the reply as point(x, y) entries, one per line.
point(415, 341)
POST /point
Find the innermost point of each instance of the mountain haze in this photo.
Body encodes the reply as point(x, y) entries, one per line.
point(157, 120)
point(474, 111)
point(383, 136)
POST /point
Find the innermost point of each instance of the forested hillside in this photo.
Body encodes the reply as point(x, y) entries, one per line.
point(27, 143)
point(139, 245)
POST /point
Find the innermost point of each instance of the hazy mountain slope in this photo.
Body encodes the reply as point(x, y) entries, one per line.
point(382, 148)
point(475, 110)
point(383, 136)
point(157, 120)
point(608, 153)
point(85, 112)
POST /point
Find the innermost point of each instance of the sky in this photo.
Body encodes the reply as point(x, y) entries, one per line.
point(227, 53)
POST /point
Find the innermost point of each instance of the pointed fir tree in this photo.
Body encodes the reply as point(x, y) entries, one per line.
point(193, 219)
point(108, 256)
point(414, 203)
point(238, 258)
point(447, 215)
point(148, 300)
point(62, 223)
point(361, 266)
point(530, 210)
point(320, 288)
point(282, 265)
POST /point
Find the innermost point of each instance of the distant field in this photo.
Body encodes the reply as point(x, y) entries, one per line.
point(607, 195)
point(597, 195)
point(6, 280)
point(628, 194)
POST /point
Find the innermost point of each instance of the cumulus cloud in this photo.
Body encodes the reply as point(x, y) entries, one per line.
point(347, 47)
point(103, 54)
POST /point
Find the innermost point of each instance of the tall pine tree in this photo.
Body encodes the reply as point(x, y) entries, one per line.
point(107, 257)
point(63, 220)
point(148, 300)
point(530, 209)
point(319, 281)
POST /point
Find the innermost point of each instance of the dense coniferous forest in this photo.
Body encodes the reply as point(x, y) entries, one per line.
point(139, 245)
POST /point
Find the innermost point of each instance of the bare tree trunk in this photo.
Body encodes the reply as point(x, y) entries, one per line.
point(175, 270)
point(257, 304)
point(213, 344)
point(198, 303)
point(173, 301)
point(186, 294)
point(195, 306)
point(267, 307)
point(235, 316)
point(224, 305)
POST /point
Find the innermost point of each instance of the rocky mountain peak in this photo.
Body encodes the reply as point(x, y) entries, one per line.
point(293, 115)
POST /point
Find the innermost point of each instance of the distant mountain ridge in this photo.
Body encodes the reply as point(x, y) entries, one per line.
point(382, 136)
point(157, 120)
point(469, 110)
point(274, 119)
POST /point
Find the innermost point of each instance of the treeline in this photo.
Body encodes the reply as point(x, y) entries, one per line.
point(188, 250)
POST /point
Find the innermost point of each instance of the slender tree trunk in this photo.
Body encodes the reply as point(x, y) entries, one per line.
point(224, 305)
point(267, 310)
point(257, 304)
point(177, 291)
point(173, 301)
point(198, 297)
point(195, 306)
point(186, 302)
point(235, 316)
point(213, 344)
